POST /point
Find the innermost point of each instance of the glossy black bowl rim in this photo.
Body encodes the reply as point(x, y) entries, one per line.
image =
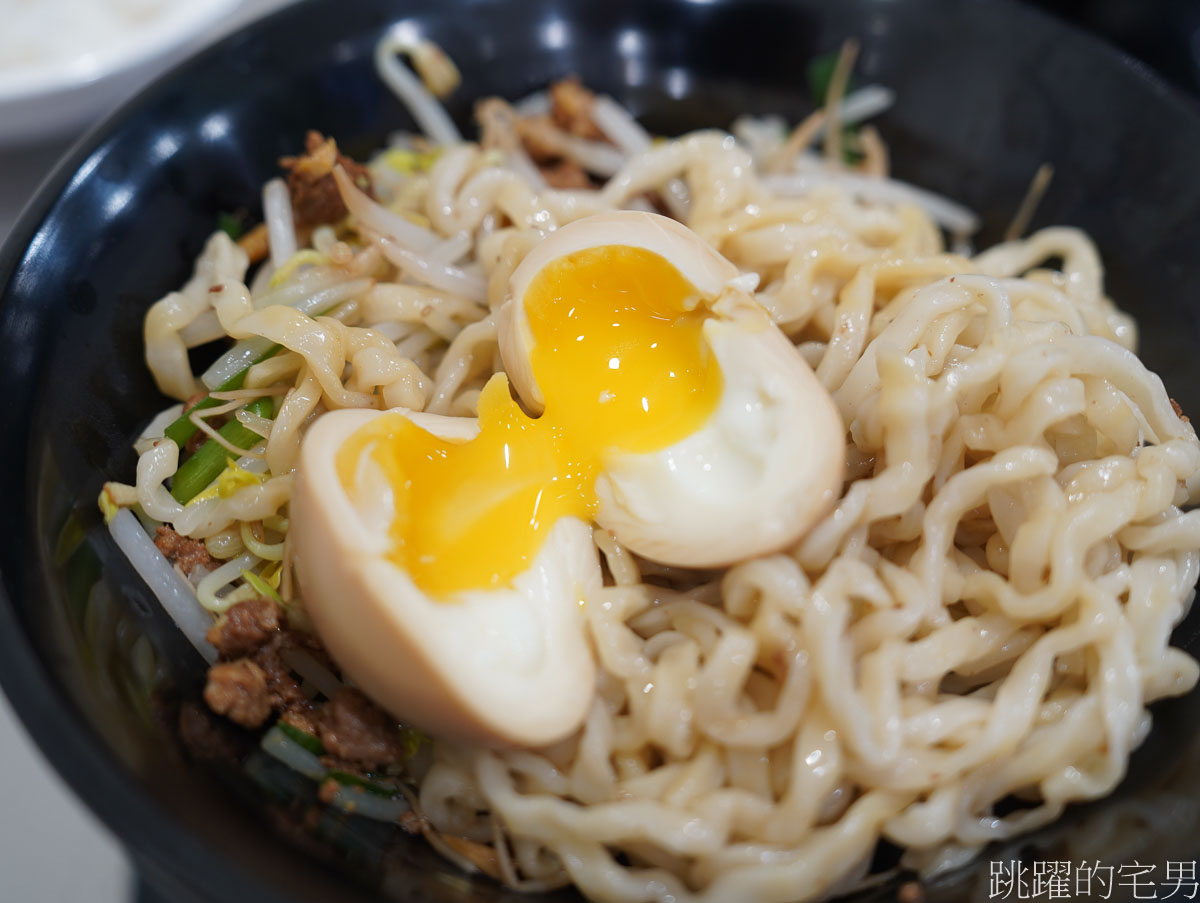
point(158, 843)
point(163, 851)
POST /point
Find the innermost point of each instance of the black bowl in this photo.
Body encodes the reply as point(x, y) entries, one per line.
point(987, 92)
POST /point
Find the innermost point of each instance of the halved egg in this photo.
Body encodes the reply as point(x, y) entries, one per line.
point(746, 449)
point(506, 664)
point(444, 560)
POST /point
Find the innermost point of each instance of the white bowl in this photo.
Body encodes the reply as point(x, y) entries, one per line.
point(65, 85)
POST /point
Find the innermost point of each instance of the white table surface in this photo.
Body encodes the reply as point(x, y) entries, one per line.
point(40, 817)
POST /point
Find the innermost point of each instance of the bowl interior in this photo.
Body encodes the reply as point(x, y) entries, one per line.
point(986, 93)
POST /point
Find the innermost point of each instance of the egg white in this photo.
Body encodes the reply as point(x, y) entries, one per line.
point(761, 470)
point(766, 464)
point(499, 666)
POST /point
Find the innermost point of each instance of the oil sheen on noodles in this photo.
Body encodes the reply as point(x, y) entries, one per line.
point(986, 613)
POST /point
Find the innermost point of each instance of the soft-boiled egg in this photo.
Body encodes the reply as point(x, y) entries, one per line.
point(444, 561)
point(494, 663)
point(746, 448)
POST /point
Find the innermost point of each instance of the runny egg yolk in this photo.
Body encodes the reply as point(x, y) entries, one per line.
point(619, 355)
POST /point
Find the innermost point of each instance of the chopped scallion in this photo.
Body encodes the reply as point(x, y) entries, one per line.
point(347, 779)
point(302, 738)
point(820, 74)
point(212, 457)
point(182, 429)
point(232, 224)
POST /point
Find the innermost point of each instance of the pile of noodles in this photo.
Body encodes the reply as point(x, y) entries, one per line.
point(984, 616)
